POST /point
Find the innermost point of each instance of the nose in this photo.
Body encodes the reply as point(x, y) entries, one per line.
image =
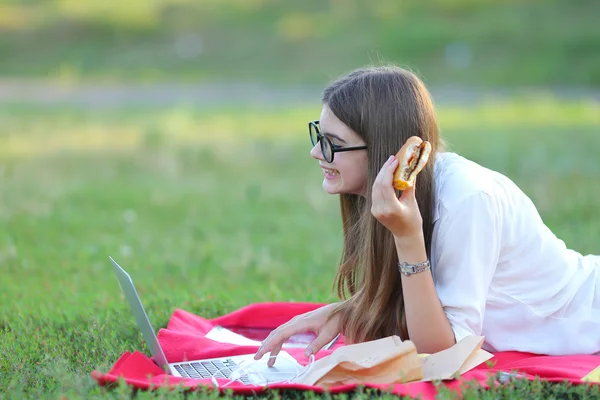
point(316, 152)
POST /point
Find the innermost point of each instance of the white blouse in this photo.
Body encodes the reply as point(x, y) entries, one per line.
point(501, 273)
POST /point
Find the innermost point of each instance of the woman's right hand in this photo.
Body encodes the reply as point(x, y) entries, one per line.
point(313, 321)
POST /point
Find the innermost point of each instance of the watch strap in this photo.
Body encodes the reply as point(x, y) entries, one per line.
point(407, 269)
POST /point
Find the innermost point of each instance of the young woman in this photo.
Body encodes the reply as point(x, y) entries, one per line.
point(464, 252)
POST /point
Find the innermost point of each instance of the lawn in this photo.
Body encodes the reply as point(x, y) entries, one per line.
point(210, 210)
point(472, 42)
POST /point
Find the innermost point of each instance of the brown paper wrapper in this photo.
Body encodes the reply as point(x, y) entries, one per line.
point(390, 360)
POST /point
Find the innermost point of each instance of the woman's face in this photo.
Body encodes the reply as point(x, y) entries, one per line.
point(347, 174)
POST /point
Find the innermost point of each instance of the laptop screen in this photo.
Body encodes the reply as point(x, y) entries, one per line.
point(140, 315)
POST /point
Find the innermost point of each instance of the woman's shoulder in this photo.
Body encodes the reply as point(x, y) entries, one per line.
point(457, 177)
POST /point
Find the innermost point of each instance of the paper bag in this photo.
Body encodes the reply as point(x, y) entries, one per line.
point(390, 360)
point(456, 360)
point(387, 360)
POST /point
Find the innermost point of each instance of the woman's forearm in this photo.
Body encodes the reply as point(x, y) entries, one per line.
point(428, 326)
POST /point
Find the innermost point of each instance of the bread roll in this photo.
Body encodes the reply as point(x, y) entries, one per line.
point(412, 157)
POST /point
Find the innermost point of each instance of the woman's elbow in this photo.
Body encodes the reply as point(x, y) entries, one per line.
point(439, 343)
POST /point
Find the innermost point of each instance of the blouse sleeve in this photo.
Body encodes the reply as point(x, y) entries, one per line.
point(467, 242)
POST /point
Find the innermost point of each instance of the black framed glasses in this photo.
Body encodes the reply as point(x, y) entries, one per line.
point(327, 148)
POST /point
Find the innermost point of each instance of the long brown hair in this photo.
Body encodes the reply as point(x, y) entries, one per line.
point(384, 106)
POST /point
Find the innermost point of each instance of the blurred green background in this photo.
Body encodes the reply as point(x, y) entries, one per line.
point(467, 41)
point(172, 135)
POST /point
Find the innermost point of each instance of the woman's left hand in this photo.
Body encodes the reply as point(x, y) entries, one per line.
point(400, 215)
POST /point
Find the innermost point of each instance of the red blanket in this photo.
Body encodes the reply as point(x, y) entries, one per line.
point(184, 339)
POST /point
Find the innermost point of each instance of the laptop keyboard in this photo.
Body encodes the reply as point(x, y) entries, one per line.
point(207, 369)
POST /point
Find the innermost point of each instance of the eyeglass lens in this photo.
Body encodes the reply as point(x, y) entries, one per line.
point(326, 148)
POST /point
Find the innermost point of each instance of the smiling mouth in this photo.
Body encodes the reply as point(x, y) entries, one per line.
point(330, 172)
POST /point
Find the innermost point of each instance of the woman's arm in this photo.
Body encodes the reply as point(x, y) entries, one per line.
point(428, 326)
point(467, 242)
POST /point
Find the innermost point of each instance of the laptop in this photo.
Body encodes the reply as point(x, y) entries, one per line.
point(286, 368)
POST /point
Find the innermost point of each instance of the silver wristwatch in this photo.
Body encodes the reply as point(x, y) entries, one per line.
point(407, 269)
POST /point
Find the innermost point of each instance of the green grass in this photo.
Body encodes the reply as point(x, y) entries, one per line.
point(211, 210)
point(538, 42)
